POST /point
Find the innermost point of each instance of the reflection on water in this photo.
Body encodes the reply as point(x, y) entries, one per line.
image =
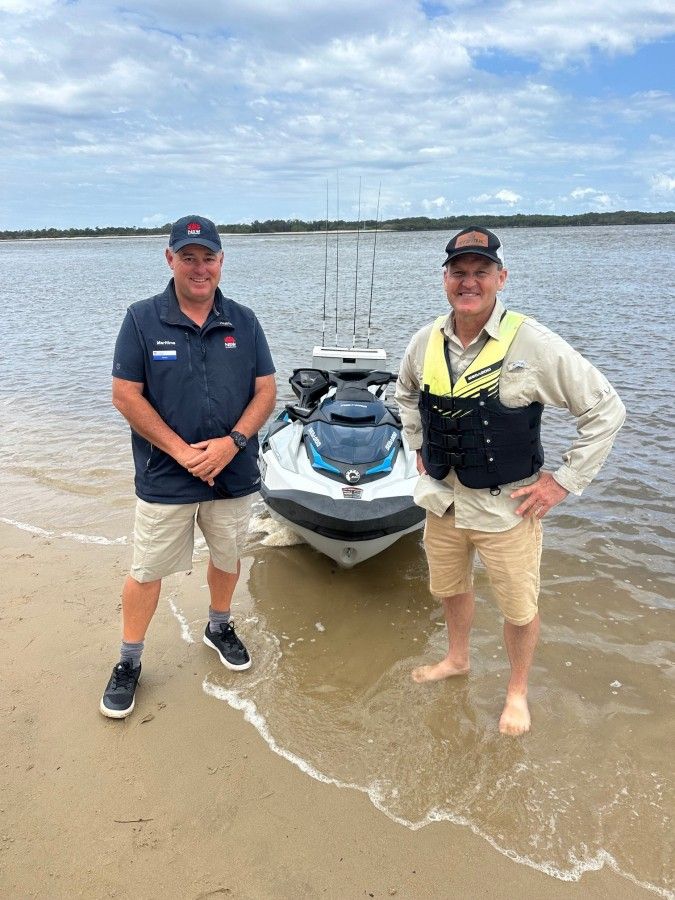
point(330, 685)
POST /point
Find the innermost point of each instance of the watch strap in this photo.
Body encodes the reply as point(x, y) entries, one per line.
point(239, 439)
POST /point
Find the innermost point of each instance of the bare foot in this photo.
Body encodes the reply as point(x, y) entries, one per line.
point(515, 718)
point(443, 669)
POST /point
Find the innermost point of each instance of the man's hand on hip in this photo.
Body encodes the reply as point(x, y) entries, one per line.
point(540, 497)
point(420, 464)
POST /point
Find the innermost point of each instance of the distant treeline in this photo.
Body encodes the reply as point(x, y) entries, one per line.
point(416, 223)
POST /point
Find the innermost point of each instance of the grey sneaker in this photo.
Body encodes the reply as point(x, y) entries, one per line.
point(227, 645)
point(118, 698)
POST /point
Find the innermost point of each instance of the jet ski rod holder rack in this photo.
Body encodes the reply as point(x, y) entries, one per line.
point(338, 359)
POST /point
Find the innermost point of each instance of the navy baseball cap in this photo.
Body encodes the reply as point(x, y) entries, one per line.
point(194, 230)
point(475, 239)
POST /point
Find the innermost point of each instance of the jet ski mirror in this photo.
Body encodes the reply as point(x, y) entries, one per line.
point(309, 386)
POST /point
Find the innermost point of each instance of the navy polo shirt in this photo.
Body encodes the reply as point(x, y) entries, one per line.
point(200, 380)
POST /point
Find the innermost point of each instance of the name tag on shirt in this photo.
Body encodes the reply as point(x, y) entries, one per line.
point(164, 355)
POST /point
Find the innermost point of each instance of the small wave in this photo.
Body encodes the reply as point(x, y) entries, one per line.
point(276, 534)
point(23, 526)
point(93, 538)
point(377, 795)
point(185, 632)
point(71, 535)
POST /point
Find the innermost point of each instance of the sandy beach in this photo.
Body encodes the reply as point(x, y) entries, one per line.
point(184, 799)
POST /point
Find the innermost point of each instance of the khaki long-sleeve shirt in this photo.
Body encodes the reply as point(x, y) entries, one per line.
point(539, 367)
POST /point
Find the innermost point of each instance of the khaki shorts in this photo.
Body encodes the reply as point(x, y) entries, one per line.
point(164, 535)
point(511, 558)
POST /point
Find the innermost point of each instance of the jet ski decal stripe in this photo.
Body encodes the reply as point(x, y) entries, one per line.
point(319, 463)
point(385, 465)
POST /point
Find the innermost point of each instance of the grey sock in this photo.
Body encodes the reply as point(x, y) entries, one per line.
point(132, 652)
point(216, 619)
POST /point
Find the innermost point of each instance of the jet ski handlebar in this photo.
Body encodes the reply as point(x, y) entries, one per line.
point(355, 384)
point(310, 385)
point(361, 378)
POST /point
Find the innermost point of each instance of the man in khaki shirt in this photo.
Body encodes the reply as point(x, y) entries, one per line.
point(471, 389)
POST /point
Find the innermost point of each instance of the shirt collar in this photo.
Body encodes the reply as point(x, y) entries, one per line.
point(172, 313)
point(491, 327)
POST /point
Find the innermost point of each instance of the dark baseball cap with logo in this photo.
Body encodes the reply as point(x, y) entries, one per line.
point(475, 239)
point(194, 230)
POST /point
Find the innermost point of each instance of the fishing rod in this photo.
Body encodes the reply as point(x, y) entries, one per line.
point(356, 275)
point(325, 278)
point(337, 257)
point(372, 270)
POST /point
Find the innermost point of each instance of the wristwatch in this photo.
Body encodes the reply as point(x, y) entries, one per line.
point(239, 439)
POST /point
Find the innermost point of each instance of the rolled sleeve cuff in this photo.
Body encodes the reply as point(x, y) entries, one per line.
point(570, 480)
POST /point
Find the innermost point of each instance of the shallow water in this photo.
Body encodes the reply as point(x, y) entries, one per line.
point(330, 685)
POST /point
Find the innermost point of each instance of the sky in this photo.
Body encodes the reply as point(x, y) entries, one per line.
point(137, 113)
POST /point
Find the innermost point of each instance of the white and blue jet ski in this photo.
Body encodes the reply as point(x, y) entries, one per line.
point(335, 466)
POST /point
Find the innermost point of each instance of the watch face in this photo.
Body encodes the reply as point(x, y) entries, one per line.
point(239, 439)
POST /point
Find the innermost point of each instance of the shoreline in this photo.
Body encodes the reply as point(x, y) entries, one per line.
point(570, 221)
point(223, 234)
point(184, 798)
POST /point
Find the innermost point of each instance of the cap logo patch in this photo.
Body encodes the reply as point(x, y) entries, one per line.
point(472, 239)
point(194, 229)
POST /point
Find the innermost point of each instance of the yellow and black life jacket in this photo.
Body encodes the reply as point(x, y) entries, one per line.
point(465, 425)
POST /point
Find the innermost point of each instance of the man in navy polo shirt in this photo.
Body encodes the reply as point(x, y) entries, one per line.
point(194, 378)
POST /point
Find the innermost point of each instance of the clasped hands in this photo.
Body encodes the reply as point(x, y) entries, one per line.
point(209, 458)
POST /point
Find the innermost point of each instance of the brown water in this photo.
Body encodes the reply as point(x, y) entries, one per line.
point(330, 686)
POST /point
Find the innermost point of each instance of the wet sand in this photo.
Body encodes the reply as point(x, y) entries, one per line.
point(184, 799)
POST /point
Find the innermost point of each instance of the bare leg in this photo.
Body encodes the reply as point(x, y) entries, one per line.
point(521, 641)
point(139, 602)
point(221, 586)
point(458, 611)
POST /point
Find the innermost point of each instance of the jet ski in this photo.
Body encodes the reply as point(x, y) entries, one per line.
point(335, 465)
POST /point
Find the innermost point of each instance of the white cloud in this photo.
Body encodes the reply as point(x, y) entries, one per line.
point(558, 32)
point(155, 219)
point(593, 198)
point(509, 197)
point(503, 196)
point(663, 184)
point(34, 8)
point(440, 203)
point(252, 104)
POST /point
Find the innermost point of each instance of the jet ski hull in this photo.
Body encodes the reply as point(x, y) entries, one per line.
point(348, 531)
point(336, 468)
point(345, 554)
